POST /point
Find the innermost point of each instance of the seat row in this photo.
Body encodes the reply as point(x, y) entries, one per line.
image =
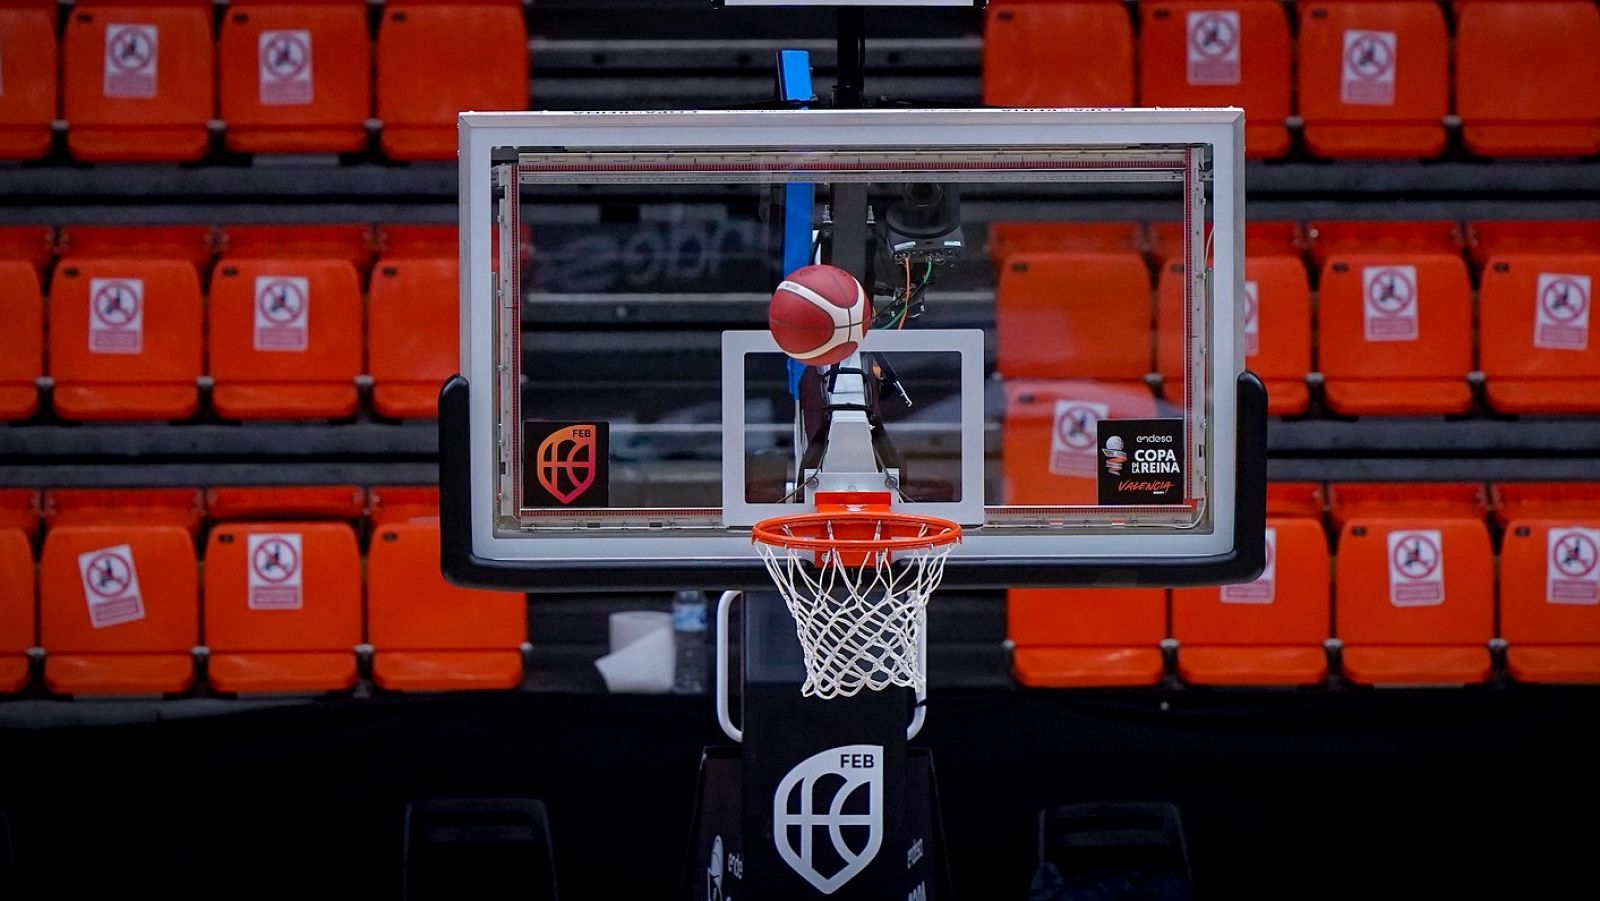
point(1411, 600)
point(1368, 78)
point(1393, 330)
point(280, 334)
point(141, 80)
point(117, 603)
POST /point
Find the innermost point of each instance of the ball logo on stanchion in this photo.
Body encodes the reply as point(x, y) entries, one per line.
point(819, 315)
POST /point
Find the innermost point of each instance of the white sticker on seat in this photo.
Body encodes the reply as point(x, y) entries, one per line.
point(1213, 39)
point(1572, 574)
point(1368, 68)
point(283, 307)
point(276, 572)
point(131, 54)
point(111, 586)
point(1416, 568)
point(116, 315)
point(1073, 438)
point(285, 67)
point(1389, 303)
point(1561, 312)
point(1265, 588)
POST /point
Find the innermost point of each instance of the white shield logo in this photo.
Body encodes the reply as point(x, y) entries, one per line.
point(826, 827)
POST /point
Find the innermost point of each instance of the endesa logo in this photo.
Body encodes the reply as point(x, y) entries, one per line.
point(568, 465)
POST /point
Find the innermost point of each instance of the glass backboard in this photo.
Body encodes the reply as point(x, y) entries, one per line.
point(625, 416)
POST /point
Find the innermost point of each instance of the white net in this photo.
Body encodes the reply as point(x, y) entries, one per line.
point(861, 625)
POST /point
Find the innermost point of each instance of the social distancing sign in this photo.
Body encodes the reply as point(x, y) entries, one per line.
point(116, 315)
point(276, 572)
point(1265, 588)
point(283, 307)
point(111, 586)
point(1213, 47)
point(285, 67)
point(1073, 441)
point(131, 56)
point(1574, 567)
point(1368, 76)
point(1252, 319)
point(1561, 312)
point(1389, 307)
point(1416, 568)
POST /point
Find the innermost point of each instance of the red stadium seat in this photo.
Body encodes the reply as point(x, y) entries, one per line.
point(1350, 500)
point(1227, 53)
point(1007, 239)
point(1305, 500)
point(343, 502)
point(353, 243)
point(1374, 79)
point(285, 338)
point(1047, 443)
point(420, 241)
point(1528, 78)
point(1086, 637)
point(27, 78)
point(119, 592)
point(34, 244)
point(1277, 328)
point(295, 76)
point(137, 80)
point(194, 244)
point(1415, 600)
point(1267, 632)
point(414, 326)
point(20, 510)
point(1396, 334)
point(1536, 352)
point(1543, 500)
point(438, 57)
point(1023, 62)
point(1487, 239)
point(1074, 316)
point(22, 339)
point(17, 616)
point(125, 339)
point(1266, 238)
point(429, 635)
point(1337, 238)
point(282, 606)
point(1550, 598)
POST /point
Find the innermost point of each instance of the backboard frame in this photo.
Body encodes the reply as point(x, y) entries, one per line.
point(475, 554)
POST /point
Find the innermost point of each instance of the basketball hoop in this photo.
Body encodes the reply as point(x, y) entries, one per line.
point(856, 578)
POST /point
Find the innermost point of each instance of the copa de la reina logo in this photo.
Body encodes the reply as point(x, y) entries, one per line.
point(568, 465)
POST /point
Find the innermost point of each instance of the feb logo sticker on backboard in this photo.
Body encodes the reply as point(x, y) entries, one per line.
point(1574, 567)
point(566, 464)
point(1141, 462)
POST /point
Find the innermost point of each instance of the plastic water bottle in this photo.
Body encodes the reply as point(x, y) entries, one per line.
point(689, 642)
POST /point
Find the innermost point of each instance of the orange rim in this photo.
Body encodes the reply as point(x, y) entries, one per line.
point(859, 531)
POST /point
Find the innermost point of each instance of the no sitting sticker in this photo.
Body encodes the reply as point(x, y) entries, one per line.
point(1141, 462)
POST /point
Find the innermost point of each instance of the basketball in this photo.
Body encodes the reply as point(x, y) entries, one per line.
point(819, 314)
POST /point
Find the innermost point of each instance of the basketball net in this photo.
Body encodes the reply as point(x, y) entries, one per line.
point(857, 580)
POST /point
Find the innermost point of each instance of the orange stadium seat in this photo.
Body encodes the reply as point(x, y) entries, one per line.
point(283, 590)
point(437, 57)
point(353, 243)
point(1306, 500)
point(1266, 238)
point(1341, 237)
point(1494, 238)
point(285, 338)
point(1086, 637)
point(27, 78)
point(1414, 601)
point(1349, 500)
point(414, 326)
point(1009, 238)
point(1396, 334)
point(429, 635)
point(137, 80)
point(1074, 316)
point(35, 244)
point(119, 592)
point(1550, 598)
point(20, 509)
point(1047, 443)
point(1536, 353)
point(1543, 500)
point(22, 339)
point(194, 244)
point(1277, 328)
point(295, 76)
point(1228, 53)
point(17, 616)
point(1023, 62)
point(420, 241)
point(1265, 632)
point(1528, 78)
point(1374, 78)
point(125, 339)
